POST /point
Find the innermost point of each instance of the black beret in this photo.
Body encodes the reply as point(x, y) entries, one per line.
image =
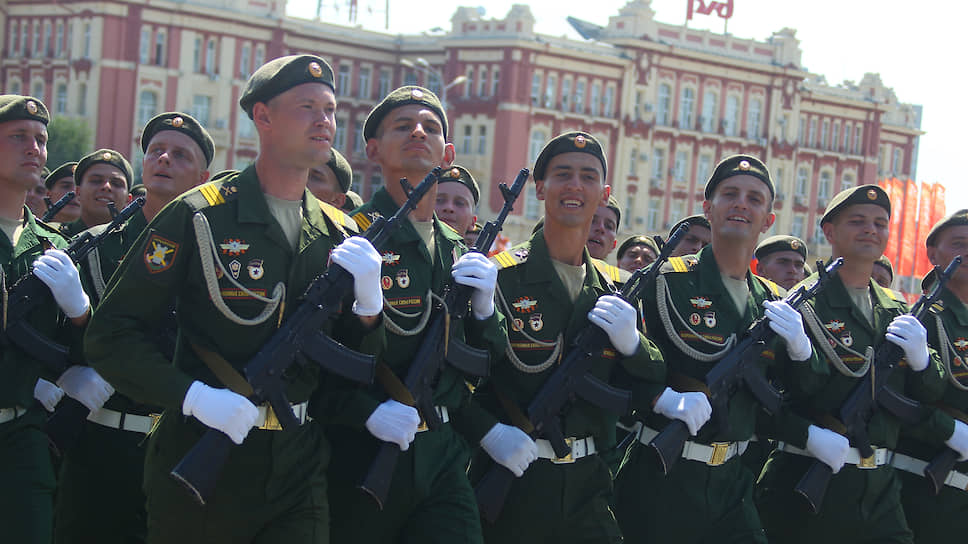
point(402, 96)
point(138, 190)
point(699, 220)
point(179, 122)
point(737, 165)
point(613, 205)
point(780, 242)
point(14, 107)
point(63, 171)
point(864, 194)
point(886, 263)
point(581, 142)
point(460, 175)
point(279, 75)
point(637, 240)
point(352, 202)
point(341, 167)
point(957, 219)
point(106, 156)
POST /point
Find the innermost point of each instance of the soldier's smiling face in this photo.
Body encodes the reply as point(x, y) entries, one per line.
point(859, 231)
point(102, 183)
point(740, 208)
point(601, 238)
point(573, 189)
point(951, 242)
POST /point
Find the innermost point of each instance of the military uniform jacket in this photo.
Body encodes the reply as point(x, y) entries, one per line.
point(72, 229)
point(698, 309)
point(539, 305)
point(926, 440)
point(245, 244)
point(18, 372)
point(408, 273)
point(814, 403)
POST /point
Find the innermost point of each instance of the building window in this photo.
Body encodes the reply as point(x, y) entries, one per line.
point(363, 87)
point(803, 179)
point(535, 90)
point(82, 99)
point(260, 56)
point(339, 140)
point(677, 210)
point(633, 163)
point(802, 132)
point(147, 106)
point(434, 83)
point(343, 80)
point(658, 164)
point(681, 166)
point(61, 98)
point(87, 41)
point(609, 106)
point(551, 88)
point(566, 94)
point(409, 78)
point(358, 137)
point(35, 51)
point(383, 86)
point(197, 56)
point(637, 111)
point(38, 91)
point(595, 98)
point(823, 133)
point(245, 61)
point(580, 96)
point(629, 212)
point(857, 141)
point(753, 116)
point(796, 229)
point(897, 164)
point(532, 206)
point(847, 182)
point(846, 138)
point(538, 139)
point(482, 82)
point(59, 43)
point(15, 87)
point(245, 127)
point(14, 44)
point(823, 189)
point(812, 135)
point(703, 169)
point(482, 140)
point(710, 101)
point(160, 49)
point(144, 47)
point(731, 120)
point(469, 82)
point(835, 137)
point(23, 39)
point(687, 104)
point(465, 147)
point(662, 105)
point(48, 34)
point(652, 218)
point(495, 80)
point(202, 108)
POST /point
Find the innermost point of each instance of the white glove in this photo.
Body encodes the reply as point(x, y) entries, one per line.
point(693, 408)
point(48, 394)
point(394, 422)
point(906, 331)
point(787, 323)
point(477, 271)
point(511, 447)
point(358, 256)
point(58, 272)
point(221, 409)
point(619, 319)
point(828, 447)
point(959, 440)
point(84, 384)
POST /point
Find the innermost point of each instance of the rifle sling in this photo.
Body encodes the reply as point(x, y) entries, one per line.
point(518, 419)
point(223, 370)
point(393, 386)
point(685, 384)
point(830, 422)
point(953, 412)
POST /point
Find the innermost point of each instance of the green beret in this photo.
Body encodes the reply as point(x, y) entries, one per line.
point(341, 167)
point(352, 202)
point(738, 165)
point(14, 107)
point(699, 220)
point(864, 194)
point(410, 94)
point(460, 175)
point(957, 219)
point(581, 142)
point(613, 205)
point(279, 75)
point(63, 171)
point(179, 122)
point(886, 263)
point(138, 190)
point(106, 156)
point(780, 242)
point(637, 240)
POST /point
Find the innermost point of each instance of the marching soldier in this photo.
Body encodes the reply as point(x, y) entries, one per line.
point(331, 181)
point(850, 317)
point(697, 309)
point(59, 183)
point(780, 259)
point(697, 238)
point(551, 288)
point(457, 199)
point(102, 177)
point(430, 499)
point(637, 252)
point(942, 517)
point(883, 272)
point(604, 229)
point(235, 255)
point(108, 459)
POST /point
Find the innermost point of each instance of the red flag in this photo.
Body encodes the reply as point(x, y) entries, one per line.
point(909, 232)
point(925, 207)
point(893, 189)
point(938, 211)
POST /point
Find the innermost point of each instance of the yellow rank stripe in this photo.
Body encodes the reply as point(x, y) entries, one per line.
point(334, 213)
point(211, 194)
point(362, 220)
point(678, 264)
point(505, 260)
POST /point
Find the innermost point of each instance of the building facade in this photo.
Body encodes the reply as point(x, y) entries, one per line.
point(667, 101)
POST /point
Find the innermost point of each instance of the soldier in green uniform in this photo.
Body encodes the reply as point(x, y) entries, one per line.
point(430, 499)
point(698, 237)
point(59, 183)
point(330, 181)
point(780, 259)
point(551, 288)
point(457, 199)
point(108, 459)
point(883, 272)
point(604, 229)
point(942, 517)
point(102, 177)
point(26, 495)
point(636, 252)
point(850, 317)
point(235, 255)
point(695, 311)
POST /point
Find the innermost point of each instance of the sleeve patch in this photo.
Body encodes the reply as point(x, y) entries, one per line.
point(159, 254)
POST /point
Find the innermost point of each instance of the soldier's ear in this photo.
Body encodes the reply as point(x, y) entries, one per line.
point(260, 115)
point(449, 155)
point(605, 195)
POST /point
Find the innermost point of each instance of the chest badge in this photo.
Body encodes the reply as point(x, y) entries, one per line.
point(235, 267)
point(386, 282)
point(233, 246)
point(535, 322)
point(517, 324)
point(961, 344)
point(256, 271)
point(403, 278)
point(159, 254)
point(521, 253)
point(710, 319)
point(525, 304)
point(390, 258)
point(695, 319)
point(700, 303)
point(835, 326)
point(846, 339)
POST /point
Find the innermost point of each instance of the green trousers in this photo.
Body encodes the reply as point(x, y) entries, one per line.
point(26, 481)
point(860, 505)
point(430, 499)
point(695, 503)
point(99, 496)
point(933, 518)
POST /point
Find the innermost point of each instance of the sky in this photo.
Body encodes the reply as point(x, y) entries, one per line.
point(916, 47)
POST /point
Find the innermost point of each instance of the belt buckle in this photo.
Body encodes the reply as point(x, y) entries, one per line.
point(868, 462)
point(272, 422)
point(568, 459)
point(720, 449)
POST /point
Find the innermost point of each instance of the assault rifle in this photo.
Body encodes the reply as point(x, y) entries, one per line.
point(299, 340)
point(54, 208)
point(736, 369)
point(30, 292)
point(870, 392)
point(439, 347)
point(571, 379)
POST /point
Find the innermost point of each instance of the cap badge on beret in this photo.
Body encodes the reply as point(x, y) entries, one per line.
point(744, 165)
point(871, 194)
point(177, 122)
point(794, 244)
point(416, 94)
point(315, 69)
point(454, 173)
point(31, 106)
point(73, 167)
point(106, 156)
point(580, 141)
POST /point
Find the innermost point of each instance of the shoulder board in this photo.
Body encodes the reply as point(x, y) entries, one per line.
point(937, 307)
point(220, 190)
point(770, 285)
point(512, 257)
point(338, 217)
point(364, 218)
point(891, 294)
point(451, 231)
point(679, 264)
point(52, 228)
point(613, 273)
